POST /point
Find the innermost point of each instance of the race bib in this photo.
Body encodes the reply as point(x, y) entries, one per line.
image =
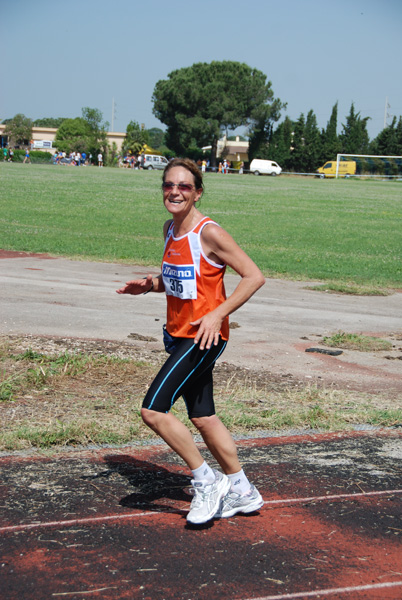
point(180, 281)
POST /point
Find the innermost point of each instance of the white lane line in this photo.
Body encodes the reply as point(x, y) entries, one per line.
point(333, 497)
point(73, 522)
point(331, 591)
point(268, 503)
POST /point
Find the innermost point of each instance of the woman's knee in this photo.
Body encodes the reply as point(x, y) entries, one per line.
point(150, 417)
point(205, 423)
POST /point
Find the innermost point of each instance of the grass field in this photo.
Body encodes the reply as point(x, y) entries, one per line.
point(344, 231)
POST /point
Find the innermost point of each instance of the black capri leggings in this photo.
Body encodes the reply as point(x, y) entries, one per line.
point(188, 373)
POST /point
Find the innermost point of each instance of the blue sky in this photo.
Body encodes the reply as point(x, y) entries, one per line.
point(59, 56)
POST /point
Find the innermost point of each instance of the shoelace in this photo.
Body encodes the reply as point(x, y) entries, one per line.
point(199, 498)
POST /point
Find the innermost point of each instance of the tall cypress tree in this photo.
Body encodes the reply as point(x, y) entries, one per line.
point(281, 142)
point(330, 141)
point(312, 144)
point(389, 141)
point(354, 138)
point(296, 157)
point(399, 137)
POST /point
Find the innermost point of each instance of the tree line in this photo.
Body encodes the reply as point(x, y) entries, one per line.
point(301, 146)
point(201, 103)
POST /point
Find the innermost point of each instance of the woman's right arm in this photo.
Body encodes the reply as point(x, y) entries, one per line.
point(143, 286)
point(146, 284)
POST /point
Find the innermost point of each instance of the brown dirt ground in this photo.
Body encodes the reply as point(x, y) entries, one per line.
point(356, 377)
point(224, 372)
point(358, 370)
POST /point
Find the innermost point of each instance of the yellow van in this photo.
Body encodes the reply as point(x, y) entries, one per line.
point(346, 168)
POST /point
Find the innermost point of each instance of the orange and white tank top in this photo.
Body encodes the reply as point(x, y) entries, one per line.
point(193, 283)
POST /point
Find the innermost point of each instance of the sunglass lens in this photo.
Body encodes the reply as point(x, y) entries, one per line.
point(182, 187)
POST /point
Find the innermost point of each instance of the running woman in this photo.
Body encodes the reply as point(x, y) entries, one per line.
point(197, 251)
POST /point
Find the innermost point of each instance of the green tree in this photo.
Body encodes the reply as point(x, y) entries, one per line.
point(296, 157)
point(199, 103)
point(49, 122)
point(97, 136)
point(73, 135)
point(330, 144)
point(354, 138)
point(156, 137)
point(112, 156)
point(280, 143)
point(389, 141)
point(399, 137)
point(312, 144)
point(296, 145)
point(135, 139)
point(260, 137)
point(83, 134)
point(19, 130)
point(261, 127)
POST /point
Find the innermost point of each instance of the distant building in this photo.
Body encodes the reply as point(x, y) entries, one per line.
point(234, 151)
point(43, 138)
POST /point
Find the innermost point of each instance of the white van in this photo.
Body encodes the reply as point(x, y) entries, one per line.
point(154, 161)
point(264, 167)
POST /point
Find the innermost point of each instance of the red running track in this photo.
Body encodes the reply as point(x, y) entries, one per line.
point(110, 524)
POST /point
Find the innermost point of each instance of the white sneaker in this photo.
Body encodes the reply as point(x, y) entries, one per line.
point(207, 498)
point(233, 503)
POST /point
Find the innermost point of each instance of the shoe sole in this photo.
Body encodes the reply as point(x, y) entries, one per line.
point(211, 515)
point(245, 510)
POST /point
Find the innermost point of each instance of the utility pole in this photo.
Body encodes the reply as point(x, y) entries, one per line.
point(113, 113)
point(386, 114)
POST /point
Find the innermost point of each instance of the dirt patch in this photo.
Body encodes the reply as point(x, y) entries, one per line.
point(76, 402)
point(224, 372)
point(358, 369)
point(374, 372)
point(17, 254)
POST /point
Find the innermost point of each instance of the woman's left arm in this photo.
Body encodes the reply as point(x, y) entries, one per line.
point(220, 247)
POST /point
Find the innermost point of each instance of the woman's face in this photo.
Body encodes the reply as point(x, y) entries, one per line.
point(179, 192)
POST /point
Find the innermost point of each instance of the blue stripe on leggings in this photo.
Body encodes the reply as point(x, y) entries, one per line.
point(172, 369)
point(189, 375)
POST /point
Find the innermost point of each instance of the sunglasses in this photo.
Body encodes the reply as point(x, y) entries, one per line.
point(182, 187)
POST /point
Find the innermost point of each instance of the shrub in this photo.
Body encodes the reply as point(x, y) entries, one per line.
point(37, 156)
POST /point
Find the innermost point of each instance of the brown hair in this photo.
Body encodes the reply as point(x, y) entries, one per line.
point(188, 164)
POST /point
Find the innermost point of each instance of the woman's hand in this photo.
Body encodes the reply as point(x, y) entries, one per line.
point(137, 286)
point(209, 327)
